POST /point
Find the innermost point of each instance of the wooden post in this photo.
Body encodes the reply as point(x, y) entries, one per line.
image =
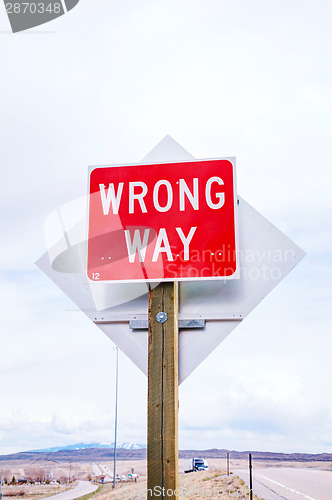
point(163, 380)
point(250, 477)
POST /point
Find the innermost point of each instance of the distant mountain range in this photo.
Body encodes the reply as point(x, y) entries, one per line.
point(85, 446)
point(91, 452)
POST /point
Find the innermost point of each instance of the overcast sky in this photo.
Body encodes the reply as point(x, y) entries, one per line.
point(104, 84)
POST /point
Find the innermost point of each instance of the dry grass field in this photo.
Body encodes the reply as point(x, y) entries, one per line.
point(67, 473)
point(194, 485)
point(208, 484)
point(236, 464)
point(32, 491)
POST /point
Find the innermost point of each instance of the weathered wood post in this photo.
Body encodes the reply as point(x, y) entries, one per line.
point(163, 375)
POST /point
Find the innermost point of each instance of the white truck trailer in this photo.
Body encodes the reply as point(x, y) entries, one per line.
point(195, 464)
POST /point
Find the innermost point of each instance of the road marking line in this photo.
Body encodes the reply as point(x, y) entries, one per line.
point(287, 487)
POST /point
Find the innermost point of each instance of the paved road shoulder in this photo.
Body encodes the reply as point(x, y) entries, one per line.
point(258, 488)
point(83, 488)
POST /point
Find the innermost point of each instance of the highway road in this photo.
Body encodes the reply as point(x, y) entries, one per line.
point(96, 469)
point(83, 488)
point(105, 470)
point(100, 469)
point(275, 483)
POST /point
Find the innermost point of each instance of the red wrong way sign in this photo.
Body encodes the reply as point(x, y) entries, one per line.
point(163, 221)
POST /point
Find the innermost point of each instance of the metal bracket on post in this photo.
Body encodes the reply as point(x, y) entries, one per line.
point(185, 323)
point(186, 320)
point(142, 324)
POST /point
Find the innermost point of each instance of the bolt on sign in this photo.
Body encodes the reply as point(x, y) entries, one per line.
point(163, 221)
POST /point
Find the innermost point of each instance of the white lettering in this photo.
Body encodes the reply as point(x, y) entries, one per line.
point(137, 196)
point(184, 190)
point(137, 191)
point(137, 245)
point(111, 197)
point(162, 238)
point(186, 240)
point(169, 196)
point(221, 196)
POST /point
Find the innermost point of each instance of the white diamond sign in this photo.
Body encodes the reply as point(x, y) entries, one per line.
point(208, 311)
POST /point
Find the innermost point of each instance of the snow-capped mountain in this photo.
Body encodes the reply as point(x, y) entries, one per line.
point(84, 446)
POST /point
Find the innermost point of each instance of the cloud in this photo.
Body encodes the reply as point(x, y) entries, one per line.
point(20, 432)
point(257, 413)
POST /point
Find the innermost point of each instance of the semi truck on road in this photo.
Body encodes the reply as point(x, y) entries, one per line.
point(195, 464)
